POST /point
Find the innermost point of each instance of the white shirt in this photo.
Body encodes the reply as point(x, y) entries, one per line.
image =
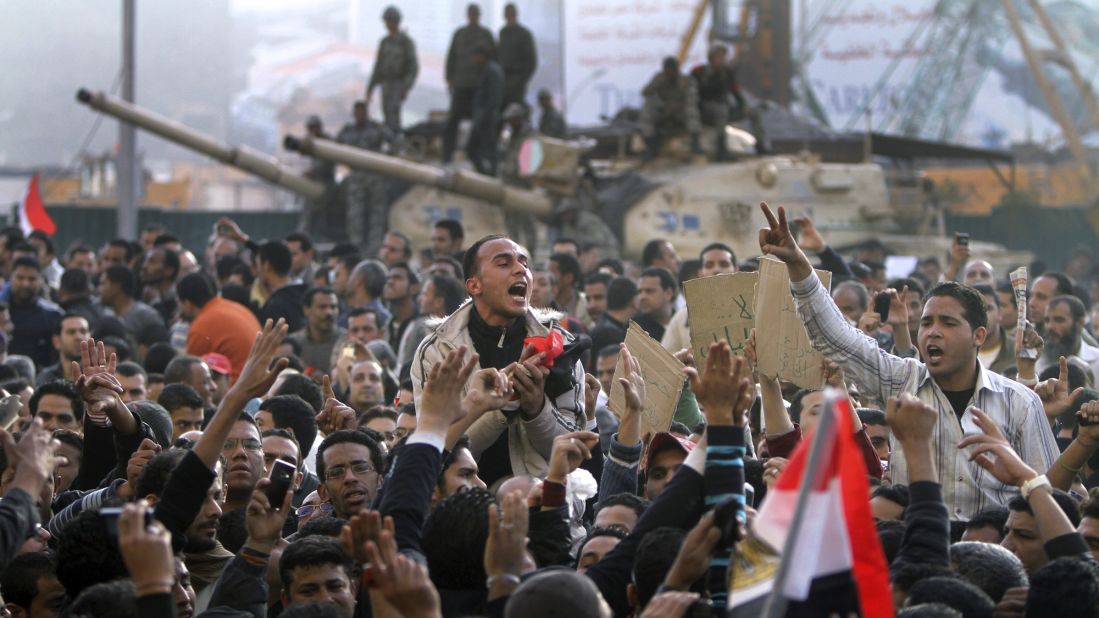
point(967, 488)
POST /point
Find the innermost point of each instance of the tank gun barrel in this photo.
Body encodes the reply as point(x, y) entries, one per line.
point(241, 157)
point(464, 182)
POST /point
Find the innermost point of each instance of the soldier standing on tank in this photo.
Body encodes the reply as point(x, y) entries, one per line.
point(326, 218)
point(395, 69)
point(518, 58)
point(552, 123)
point(482, 148)
point(716, 83)
point(367, 212)
point(463, 75)
point(671, 105)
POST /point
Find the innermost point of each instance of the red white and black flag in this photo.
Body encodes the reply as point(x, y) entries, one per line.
point(818, 516)
point(32, 211)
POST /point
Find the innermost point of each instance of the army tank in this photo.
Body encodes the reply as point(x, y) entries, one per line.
point(687, 201)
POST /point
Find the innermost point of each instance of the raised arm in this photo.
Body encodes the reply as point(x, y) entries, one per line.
point(879, 373)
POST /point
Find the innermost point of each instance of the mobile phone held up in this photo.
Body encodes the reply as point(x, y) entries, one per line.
point(282, 477)
point(962, 238)
point(110, 519)
point(881, 305)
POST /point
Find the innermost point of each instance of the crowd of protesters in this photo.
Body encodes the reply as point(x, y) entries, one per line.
point(444, 412)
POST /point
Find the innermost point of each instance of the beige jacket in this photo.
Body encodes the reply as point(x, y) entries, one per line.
point(529, 442)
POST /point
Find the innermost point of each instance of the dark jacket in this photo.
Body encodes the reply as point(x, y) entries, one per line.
point(84, 307)
point(489, 95)
point(286, 302)
point(35, 324)
point(518, 56)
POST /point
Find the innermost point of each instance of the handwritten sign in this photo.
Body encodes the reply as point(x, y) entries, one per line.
point(721, 307)
point(782, 345)
point(663, 375)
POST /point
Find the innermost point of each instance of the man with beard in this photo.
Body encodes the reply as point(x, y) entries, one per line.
point(159, 271)
point(1064, 328)
point(70, 332)
point(350, 465)
point(35, 319)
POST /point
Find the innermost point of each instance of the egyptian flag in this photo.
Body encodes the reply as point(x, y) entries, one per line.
point(833, 560)
point(32, 212)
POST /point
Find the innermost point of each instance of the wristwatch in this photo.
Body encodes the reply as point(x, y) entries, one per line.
point(1034, 483)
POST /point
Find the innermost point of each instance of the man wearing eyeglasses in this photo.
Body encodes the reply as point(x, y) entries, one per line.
point(350, 465)
point(243, 455)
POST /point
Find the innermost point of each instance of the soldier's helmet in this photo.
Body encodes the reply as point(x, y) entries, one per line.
point(391, 13)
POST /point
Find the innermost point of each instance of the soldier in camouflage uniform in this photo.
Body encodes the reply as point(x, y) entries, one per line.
point(463, 75)
point(518, 57)
point(395, 69)
point(671, 105)
point(367, 211)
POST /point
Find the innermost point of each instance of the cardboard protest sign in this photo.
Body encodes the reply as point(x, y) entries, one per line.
point(782, 345)
point(663, 375)
point(721, 307)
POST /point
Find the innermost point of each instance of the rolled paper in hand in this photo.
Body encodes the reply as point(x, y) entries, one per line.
point(1018, 285)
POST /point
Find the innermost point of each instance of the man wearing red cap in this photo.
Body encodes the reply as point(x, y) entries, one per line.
point(666, 453)
point(220, 370)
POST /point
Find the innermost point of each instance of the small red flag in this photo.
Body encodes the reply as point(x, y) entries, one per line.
point(32, 212)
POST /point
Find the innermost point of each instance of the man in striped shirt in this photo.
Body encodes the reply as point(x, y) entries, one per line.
point(949, 379)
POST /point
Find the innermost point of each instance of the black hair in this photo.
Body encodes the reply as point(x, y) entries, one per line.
point(124, 278)
point(226, 265)
point(1075, 306)
point(327, 526)
point(312, 293)
point(1076, 376)
point(720, 246)
point(614, 264)
point(891, 535)
point(568, 241)
point(107, 599)
point(196, 288)
point(595, 533)
point(904, 574)
point(861, 293)
point(377, 458)
point(154, 476)
point(990, 567)
point(73, 439)
point(277, 255)
point(454, 537)
point(895, 493)
point(795, 403)
point(62, 388)
point(471, 265)
point(178, 395)
point(87, 555)
point(626, 499)
point(620, 293)
point(667, 281)
point(305, 387)
point(913, 284)
point(121, 347)
point(611, 349)
point(165, 238)
point(995, 517)
point(451, 457)
point(301, 238)
point(45, 239)
point(1010, 291)
point(289, 411)
point(231, 532)
point(985, 289)
point(451, 289)
point(179, 370)
point(313, 610)
point(453, 227)
point(567, 264)
point(953, 592)
point(313, 551)
point(130, 369)
point(19, 579)
point(152, 333)
point(1064, 282)
point(286, 435)
point(360, 311)
point(413, 278)
point(1066, 588)
point(973, 304)
point(651, 252)
point(599, 278)
point(654, 558)
point(870, 416)
point(450, 261)
point(25, 261)
point(68, 316)
point(159, 356)
point(688, 270)
point(1068, 505)
point(74, 281)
